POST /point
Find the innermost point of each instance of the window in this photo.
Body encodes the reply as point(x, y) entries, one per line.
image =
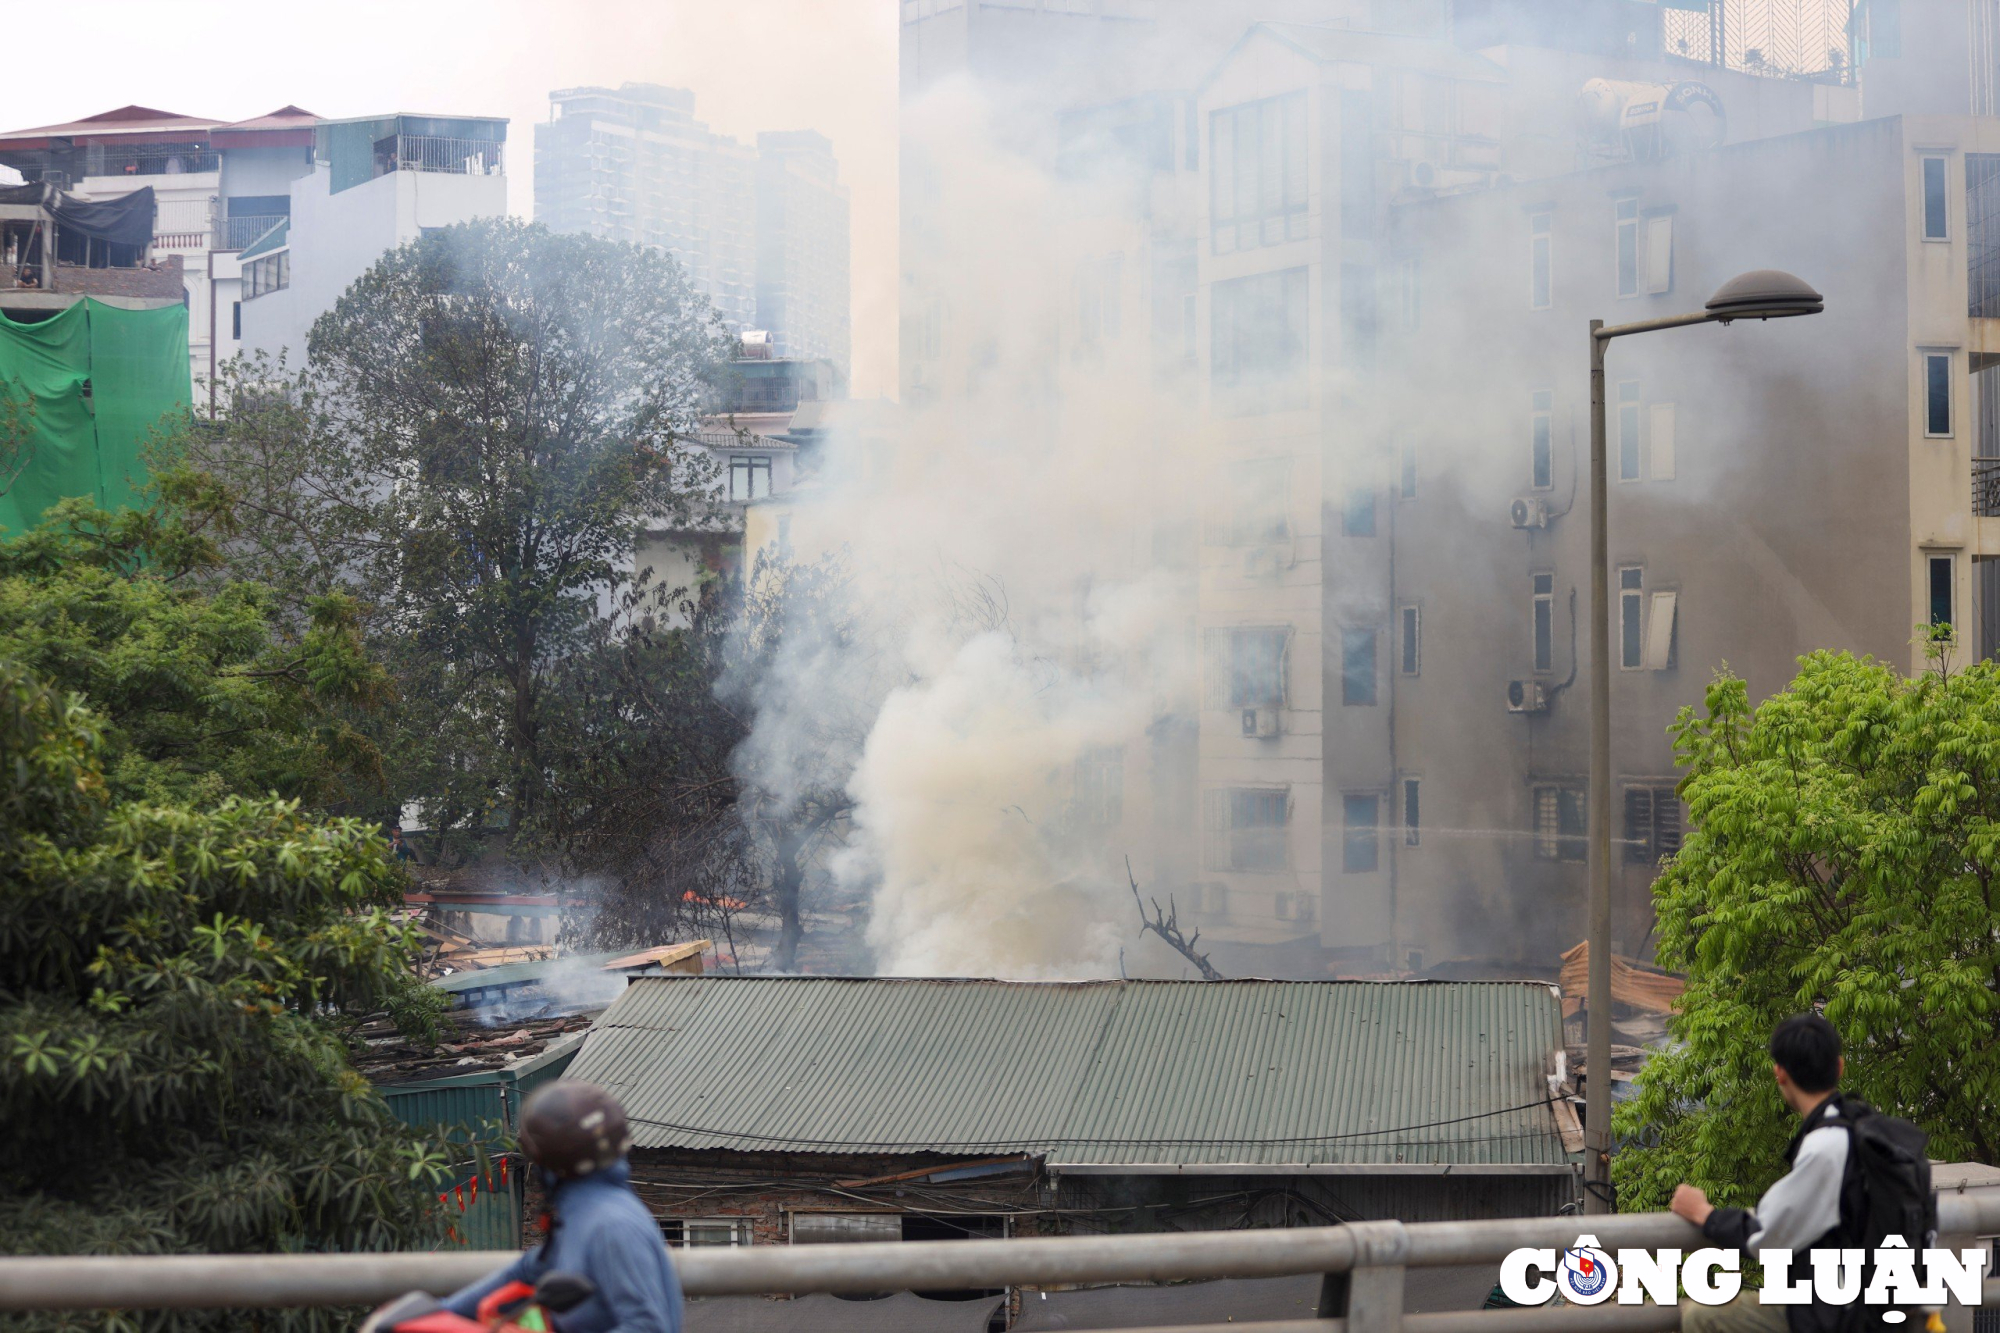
point(1940, 591)
point(1652, 823)
point(749, 476)
point(697, 1232)
point(1538, 261)
point(1246, 828)
point(1627, 229)
point(1099, 299)
point(1935, 226)
point(1412, 626)
point(1255, 668)
point(1360, 816)
point(1358, 520)
point(1357, 163)
point(1300, 906)
point(1412, 826)
point(1660, 253)
point(1257, 352)
point(1100, 787)
point(835, 1228)
point(1660, 440)
point(1262, 488)
point(1545, 622)
point(1631, 616)
point(1409, 470)
point(1660, 627)
point(267, 274)
point(1357, 667)
point(1885, 29)
point(236, 320)
point(1257, 173)
point(1937, 393)
point(1561, 824)
point(1541, 435)
point(1628, 430)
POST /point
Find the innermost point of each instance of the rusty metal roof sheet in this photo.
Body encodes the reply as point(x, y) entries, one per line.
point(1107, 1075)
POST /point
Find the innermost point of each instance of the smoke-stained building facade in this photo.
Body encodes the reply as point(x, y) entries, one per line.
point(761, 232)
point(1363, 253)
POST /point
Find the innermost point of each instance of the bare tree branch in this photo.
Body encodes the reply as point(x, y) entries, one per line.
point(1167, 926)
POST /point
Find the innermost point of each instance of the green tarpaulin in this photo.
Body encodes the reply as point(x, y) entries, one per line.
point(135, 363)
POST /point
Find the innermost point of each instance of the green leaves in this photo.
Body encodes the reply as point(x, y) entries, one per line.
point(1844, 853)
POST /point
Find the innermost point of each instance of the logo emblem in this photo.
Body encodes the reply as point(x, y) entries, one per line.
point(1586, 1275)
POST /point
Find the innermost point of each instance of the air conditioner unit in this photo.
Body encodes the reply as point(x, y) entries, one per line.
point(1527, 696)
point(1528, 512)
point(1261, 562)
point(1261, 723)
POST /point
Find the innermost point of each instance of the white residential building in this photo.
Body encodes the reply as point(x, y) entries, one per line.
point(376, 183)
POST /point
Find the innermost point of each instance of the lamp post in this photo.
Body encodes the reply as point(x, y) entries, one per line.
point(1764, 294)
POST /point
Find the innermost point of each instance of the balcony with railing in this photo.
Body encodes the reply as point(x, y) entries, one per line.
point(240, 232)
point(460, 157)
point(1986, 487)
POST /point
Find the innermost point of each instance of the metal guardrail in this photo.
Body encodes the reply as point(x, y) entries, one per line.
point(1372, 1255)
point(238, 231)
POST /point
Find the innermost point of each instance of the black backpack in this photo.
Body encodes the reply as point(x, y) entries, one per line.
point(1889, 1160)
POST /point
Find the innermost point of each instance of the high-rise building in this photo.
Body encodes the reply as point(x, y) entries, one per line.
point(762, 233)
point(802, 247)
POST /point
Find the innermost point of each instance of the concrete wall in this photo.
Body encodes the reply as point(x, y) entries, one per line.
point(335, 238)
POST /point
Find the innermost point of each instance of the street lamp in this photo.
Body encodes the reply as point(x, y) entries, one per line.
point(1763, 294)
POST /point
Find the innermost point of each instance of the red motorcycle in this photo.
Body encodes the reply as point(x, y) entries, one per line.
point(514, 1308)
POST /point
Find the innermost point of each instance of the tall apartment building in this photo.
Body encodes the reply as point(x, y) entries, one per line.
point(763, 232)
point(1325, 214)
point(803, 293)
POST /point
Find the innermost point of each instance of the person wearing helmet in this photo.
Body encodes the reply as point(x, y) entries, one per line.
point(576, 1135)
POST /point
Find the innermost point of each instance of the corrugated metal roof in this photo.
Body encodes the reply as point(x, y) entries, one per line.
point(1157, 1074)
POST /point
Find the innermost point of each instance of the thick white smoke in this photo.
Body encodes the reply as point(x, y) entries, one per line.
point(1010, 642)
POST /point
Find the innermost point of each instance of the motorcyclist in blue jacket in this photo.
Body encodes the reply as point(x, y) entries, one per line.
point(576, 1135)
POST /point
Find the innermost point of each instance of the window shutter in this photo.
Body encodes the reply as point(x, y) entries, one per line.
point(1662, 433)
point(1660, 253)
point(1666, 823)
point(1660, 632)
point(1215, 825)
point(1215, 667)
point(1638, 823)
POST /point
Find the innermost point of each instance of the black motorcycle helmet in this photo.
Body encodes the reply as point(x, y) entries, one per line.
point(570, 1128)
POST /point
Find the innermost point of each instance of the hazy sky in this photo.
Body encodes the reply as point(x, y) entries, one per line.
point(827, 65)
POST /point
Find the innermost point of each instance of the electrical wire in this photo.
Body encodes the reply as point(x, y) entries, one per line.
point(1098, 1141)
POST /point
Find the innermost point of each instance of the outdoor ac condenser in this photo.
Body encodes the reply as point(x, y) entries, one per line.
point(1260, 722)
point(1528, 512)
point(1526, 696)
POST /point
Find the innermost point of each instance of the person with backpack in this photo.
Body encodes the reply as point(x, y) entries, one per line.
point(1856, 1178)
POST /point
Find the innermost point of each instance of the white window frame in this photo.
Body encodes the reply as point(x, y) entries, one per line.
point(1624, 228)
point(740, 1233)
point(1925, 358)
point(1628, 400)
point(1949, 559)
point(1541, 604)
point(751, 464)
point(1541, 253)
point(1542, 419)
point(1632, 602)
point(1924, 197)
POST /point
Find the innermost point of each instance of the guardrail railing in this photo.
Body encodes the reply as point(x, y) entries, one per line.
point(1364, 1263)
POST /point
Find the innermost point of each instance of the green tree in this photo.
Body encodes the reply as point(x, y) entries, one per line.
point(168, 1076)
point(197, 697)
point(490, 421)
point(1844, 852)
